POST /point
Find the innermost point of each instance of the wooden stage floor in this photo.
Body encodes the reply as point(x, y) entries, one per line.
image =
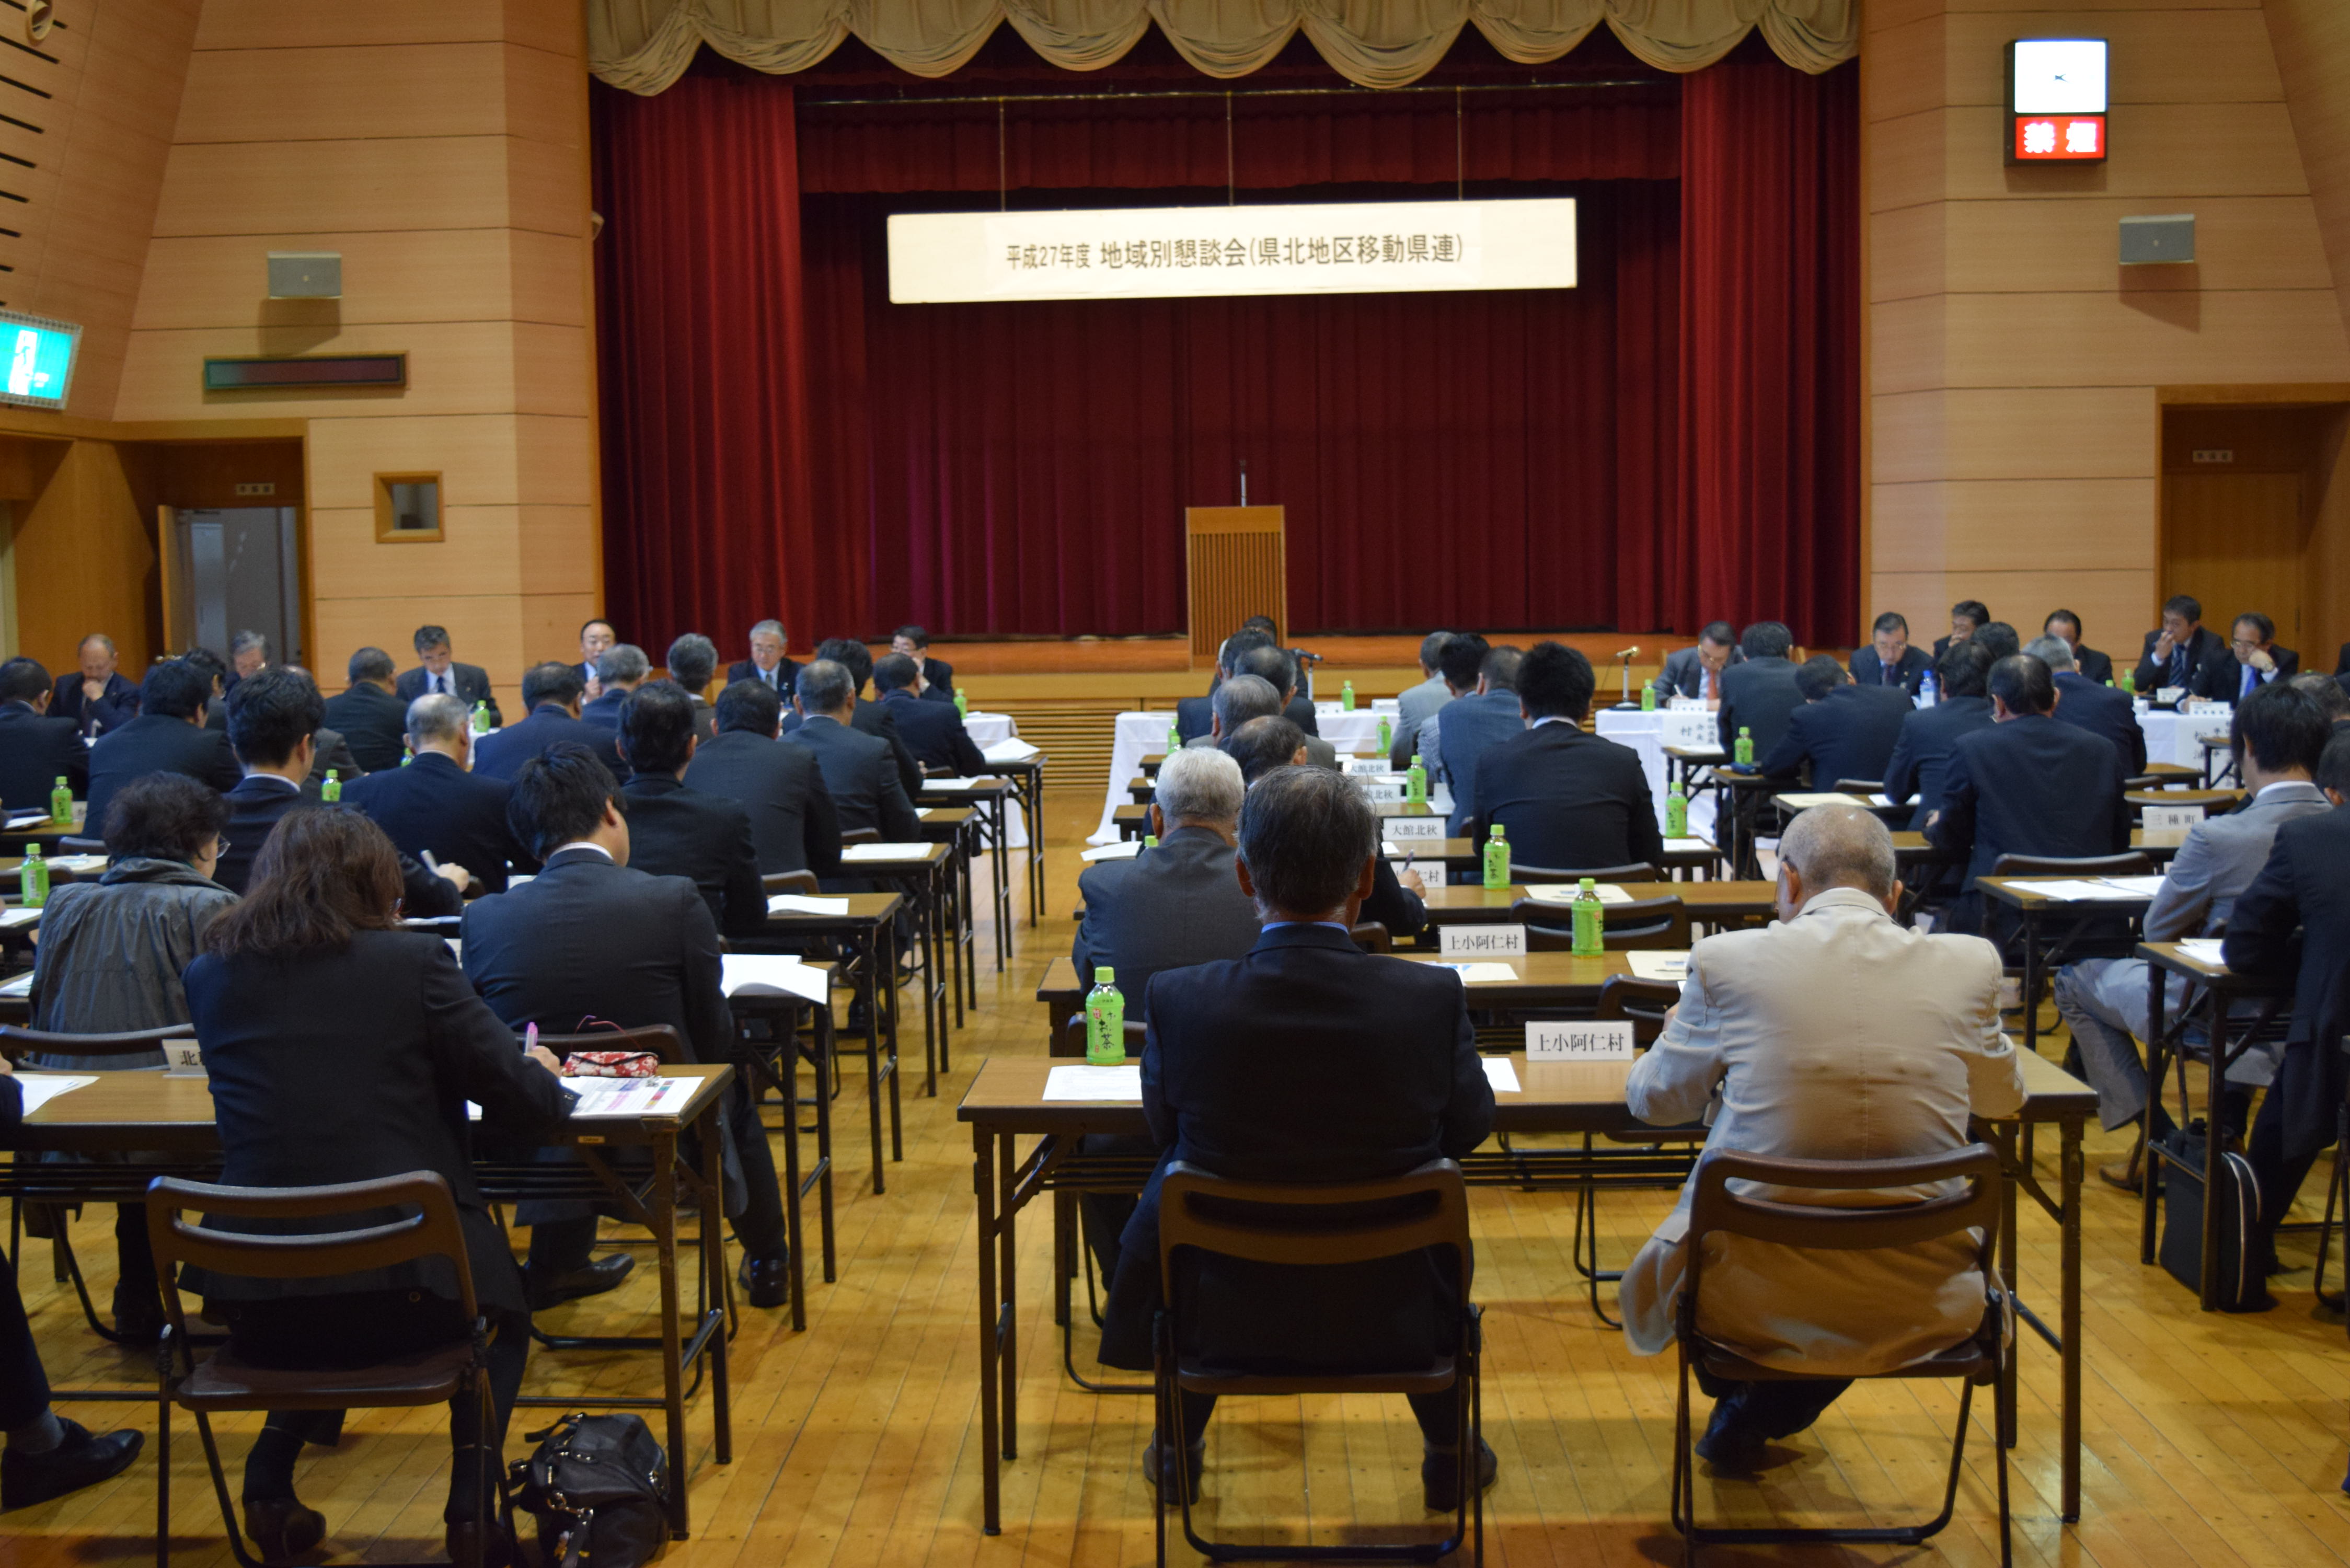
point(2211, 1440)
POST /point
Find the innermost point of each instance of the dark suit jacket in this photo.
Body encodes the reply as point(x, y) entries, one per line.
point(1170, 907)
point(2030, 786)
point(151, 743)
point(1194, 716)
point(2102, 711)
point(788, 676)
point(1760, 695)
point(1471, 727)
point(1565, 799)
point(1403, 911)
point(1299, 712)
point(862, 778)
point(934, 732)
point(873, 719)
point(2342, 661)
point(473, 686)
point(374, 721)
point(1867, 670)
point(1683, 674)
point(2224, 679)
point(2306, 885)
point(1921, 752)
point(434, 804)
point(794, 824)
point(2205, 648)
point(2097, 668)
point(1847, 734)
point(35, 753)
point(674, 831)
point(345, 1066)
point(500, 753)
point(939, 673)
point(585, 939)
point(1307, 1060)
point(330, 757)
point(115, 707)
point(255, 806)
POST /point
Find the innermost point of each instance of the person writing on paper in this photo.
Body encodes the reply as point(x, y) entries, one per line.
point(1697, 671)
point(341, 1048)
point(1779, 1034)
point(2277, 736)
point(1308, 1060)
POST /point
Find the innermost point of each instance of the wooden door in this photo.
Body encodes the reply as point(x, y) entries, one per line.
point(2235, 541)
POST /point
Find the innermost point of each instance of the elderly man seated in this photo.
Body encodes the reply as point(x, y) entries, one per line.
point(1837, 1034)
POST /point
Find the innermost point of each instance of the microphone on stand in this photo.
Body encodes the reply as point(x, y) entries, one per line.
point(1625, 657)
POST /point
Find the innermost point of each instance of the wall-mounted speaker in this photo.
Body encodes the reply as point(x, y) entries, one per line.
point(2169, 238)
point(305, 275)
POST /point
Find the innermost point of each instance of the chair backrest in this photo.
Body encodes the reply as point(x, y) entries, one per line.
point(16, 1043)
point(71, 844)
point(433, 1231)
point(1863, 787)
point(1639, 871)
point(1713, 1207)
point(776, 882)
point(1660, 924)
point(2133, 864)
point(659, 1039)
point(1641, 1003)
point(859, 835)
point(1071, 1041)
point(1372, 937)
point(1275, 1222)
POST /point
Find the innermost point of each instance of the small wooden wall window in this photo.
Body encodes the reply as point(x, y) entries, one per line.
point(408, 508)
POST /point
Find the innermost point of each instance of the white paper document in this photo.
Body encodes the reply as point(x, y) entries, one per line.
point(1015, 749)
point(40, 1089)
point(2089, 889)
point(1686, 845)
point(1567, 892)
point(1123, 1084)
point(607, 1099)
point(1482, 973)
point(771, 974)
point(1646, 965)
point(1503, 1074)
point(1881, 798)
point(1124, 849)
point(2138, 887)
point(79, 864)
point(1802, 801)
point(20, 986)
point(17, 915)
point(885, 852)
point(2203, 950)
point(23, 819)
point(950, 783)
point(800, 903)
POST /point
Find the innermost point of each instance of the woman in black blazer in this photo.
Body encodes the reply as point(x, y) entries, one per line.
point(341, 1048)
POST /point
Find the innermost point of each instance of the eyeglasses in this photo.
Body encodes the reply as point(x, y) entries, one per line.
point(2246, 643)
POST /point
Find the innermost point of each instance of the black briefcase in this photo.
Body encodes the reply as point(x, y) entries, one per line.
point(2243, 1287)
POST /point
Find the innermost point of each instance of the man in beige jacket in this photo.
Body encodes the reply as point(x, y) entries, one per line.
point(1837, 1033)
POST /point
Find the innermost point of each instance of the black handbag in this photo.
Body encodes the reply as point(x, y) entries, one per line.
point(2242, 1286)
point(598, 1487)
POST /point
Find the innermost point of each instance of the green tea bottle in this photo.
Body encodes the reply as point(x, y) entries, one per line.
point(61, 802)
point(332, 789)
point(481, 718)
point(1741, 751)
point(1105, 1022)
point(1497, 859)
point(1415, 782)
point(1345, 697)
point(1589, 923)
point(33, 879)
point(1676, 812)
point(1386, 733)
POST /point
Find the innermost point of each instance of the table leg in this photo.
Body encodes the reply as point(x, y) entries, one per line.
point(664, 1216)
point(982, 1184)
point(789, 1059)
point(2008, 1157)
point(1007, 1274)
point(874, 990)
point(889, 960)
point(2030, 984)
point(1002, 892)
point(1032, 817)
point(2218, 1034)
point(823, 1056)
point(2072, 1168)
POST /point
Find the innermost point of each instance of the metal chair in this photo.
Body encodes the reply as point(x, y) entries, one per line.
point(16, 1044)
point(1422, 1210)
point(1643, 1005)
point(71, 844)
point(802, 882)
point(222, 1382)
point(1639, 871)
point(859, 835)
point(1976, 1360)
point(1643, 924)
point(2098, 928)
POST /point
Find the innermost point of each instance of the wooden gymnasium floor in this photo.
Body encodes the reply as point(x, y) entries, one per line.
point(2212, 1439)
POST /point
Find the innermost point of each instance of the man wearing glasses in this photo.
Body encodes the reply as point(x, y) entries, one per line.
point(2258, 662)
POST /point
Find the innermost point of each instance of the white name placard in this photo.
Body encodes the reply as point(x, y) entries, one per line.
point(1691, 727)
point(1368, 767)
point(1484, 941)
point(2170, 818)
point(1380, 786)
point(184, 1059)
point(1413, 829)
point(1610, 1042)
point(1139, 253)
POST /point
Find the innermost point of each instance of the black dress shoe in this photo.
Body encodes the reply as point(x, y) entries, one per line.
point(138, 1316)
point(282, 1528)
point(766, 1282)
point(1728, 1445)
point(82, 1459)
point(1161, 1475)
point(589, 1280)
point(1440, 1476)
point(470, 1546)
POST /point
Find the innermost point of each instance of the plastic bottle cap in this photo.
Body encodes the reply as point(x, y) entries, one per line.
point(1590, 885)
point(1103, 975)
point(1497, 830)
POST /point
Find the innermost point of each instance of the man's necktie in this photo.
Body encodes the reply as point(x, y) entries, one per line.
point(1713, 685)
point(2251, 680)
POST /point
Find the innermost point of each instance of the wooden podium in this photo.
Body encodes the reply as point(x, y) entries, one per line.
point(1235, 558)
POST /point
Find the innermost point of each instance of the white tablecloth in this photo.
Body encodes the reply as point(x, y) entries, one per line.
point(2178, 737)
point(1141, 735)
point(1648, 735)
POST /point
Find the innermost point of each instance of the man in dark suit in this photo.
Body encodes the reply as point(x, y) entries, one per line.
point(767, 664)
point(36, 751)
point(2027, 786)
point(1306, 1061)
point(1921, 752)
point(273, 716)
point(1193, 715)
point(438, 806)
point(371, 719)
point(680, 831)
point(794, 825)
point(2294, 919)
point(1890, 660)
point(937, 684)
point(1278, 668)
point(1176, 904)
point(594, 936)
point(692, 664)
point(934, 732)
point(330, 755)
point(2255, 660)
point(858, 770)
point(870, 718)
point(2096, 668)
point(2176, 651)
point(2100, 710)
point(97, 697)
point(1239, 701)
point(1562, 798)
point(595, 637)
point(551, 692)
point(437, 672)
point(1966, 618)
point(1479, 718)
point(620, 672)
point(214, 668)
point(1842, 730)
point(1697, 671)
point(1263, 744)
point(1759, 694)
point(168, 736)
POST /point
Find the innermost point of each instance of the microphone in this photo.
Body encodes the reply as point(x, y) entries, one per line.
point(1627, 653)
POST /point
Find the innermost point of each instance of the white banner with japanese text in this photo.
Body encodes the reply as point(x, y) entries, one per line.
point(1384, 248)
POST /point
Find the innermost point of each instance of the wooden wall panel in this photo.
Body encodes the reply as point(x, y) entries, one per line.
point(1988, 524)
point(288, 187)
point(2313, 48)
point(85, 560)
point(212, 281)
point(280, 95)
point(304, 24)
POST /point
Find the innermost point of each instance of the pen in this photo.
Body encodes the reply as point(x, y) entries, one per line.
point(529, 1038)
point(429, 864)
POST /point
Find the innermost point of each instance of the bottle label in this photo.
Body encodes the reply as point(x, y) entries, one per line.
point(1588, 943)
point(1104, 1028)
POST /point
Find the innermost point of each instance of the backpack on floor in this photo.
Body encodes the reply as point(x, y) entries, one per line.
point(2242, 1286)
point(598, 1487)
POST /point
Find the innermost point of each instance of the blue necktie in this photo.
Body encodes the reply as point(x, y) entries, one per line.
point(2252, 678)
